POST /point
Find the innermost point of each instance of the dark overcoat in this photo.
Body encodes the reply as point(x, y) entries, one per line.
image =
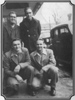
point(9, 34)
point(47, 59)
point(30, 32)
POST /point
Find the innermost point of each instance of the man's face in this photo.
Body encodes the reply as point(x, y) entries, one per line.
point(40, 45)
point(29, 14)
point(17, 45)
point(12, 18)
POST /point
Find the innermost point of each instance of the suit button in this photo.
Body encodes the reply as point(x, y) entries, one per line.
point(28, 35)
point(27, 30)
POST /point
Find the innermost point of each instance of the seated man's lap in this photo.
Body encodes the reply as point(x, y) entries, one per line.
point(26, 72)
point(12, 81)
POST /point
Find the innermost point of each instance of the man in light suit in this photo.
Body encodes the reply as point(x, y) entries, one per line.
point(17, 68)
point(45, 65)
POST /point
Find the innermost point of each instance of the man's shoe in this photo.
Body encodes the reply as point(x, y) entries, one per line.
point(11, 93)
point(53, 92)
point(30, 91)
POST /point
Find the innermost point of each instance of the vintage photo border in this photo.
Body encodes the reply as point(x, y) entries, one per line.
point(73, 67)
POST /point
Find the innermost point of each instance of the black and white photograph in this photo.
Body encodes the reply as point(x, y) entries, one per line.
point(37, 50)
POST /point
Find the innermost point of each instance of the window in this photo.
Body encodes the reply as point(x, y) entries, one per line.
point(64, 30)
point(56, 33)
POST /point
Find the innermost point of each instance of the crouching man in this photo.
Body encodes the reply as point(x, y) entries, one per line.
point(17, 68)
point(45, 66)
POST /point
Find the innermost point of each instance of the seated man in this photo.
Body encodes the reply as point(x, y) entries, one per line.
point(16, 63)
point(45, 65)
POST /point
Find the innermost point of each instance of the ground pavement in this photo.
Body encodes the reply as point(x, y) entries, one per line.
point(64, 88)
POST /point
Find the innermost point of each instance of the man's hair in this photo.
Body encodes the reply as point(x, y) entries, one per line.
point(40, 40)
point(43, 42)
point(17, 39)
point(27, 9)
point(12, 12)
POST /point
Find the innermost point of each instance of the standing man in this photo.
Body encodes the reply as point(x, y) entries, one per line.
point(30, 30)
point(45, 64)
point(10, 31)
point(17, 68)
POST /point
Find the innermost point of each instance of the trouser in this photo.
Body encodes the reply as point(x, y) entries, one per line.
point(26, 73)
point(51, 73)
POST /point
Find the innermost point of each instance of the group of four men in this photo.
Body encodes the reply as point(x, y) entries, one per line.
point(28, 61)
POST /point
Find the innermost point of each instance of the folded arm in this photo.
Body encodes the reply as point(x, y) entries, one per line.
point(52, 61)
point(27, 60)
point(6, 65)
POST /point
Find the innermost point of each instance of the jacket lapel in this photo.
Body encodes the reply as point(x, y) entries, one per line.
point(8, 28)
point(29, 25)
point(33, 23)
point(15, 59)
point(26, 24)
point(21, 57)
point(36, 63)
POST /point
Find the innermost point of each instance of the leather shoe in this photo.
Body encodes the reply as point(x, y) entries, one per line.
point(53, 92)
point(30, 91)
point(11, 93)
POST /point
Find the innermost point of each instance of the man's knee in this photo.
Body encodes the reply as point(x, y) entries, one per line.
point(27, 72)
point(31, 68)
point(12, 81)
point(53, 72)
point(12, 86)
point(54, 69)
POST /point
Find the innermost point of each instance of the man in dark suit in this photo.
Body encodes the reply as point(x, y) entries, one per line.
point(44, 62)
point(30, 30)
point(17, 68)
point(10, 31)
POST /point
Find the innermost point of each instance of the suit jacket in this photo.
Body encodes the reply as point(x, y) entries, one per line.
point(8, 35)
point(11, 60)
point(30, 31)
point(48, 59)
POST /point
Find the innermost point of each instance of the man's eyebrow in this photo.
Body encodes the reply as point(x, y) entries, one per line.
point(12, 16)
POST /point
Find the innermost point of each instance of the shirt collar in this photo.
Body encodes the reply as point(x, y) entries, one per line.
point(15, 54)
point(44, 52)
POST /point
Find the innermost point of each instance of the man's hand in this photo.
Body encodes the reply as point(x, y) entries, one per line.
point(41, 71)
point(19, 78)
point(17, 69)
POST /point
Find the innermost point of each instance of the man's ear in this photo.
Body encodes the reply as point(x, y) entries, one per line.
point(22, 44)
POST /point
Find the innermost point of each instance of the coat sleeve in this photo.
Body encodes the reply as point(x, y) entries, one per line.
point(52, 61)
point(18, 32)
point(5, 40)
point(27, 59)
point(39, 28)
point(6, 65)
point(22, 31)
point(52, 58)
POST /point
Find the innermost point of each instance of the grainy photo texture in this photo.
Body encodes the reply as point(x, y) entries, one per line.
point(37, 57)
